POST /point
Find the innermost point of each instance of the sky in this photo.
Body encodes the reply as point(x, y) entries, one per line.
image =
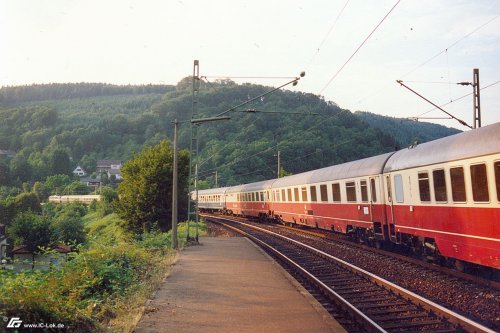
point(352, 51)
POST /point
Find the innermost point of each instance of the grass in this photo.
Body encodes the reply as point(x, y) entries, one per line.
point(104, 286)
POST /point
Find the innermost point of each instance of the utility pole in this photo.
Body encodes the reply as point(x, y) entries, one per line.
point(279, 164)
point(216, 183)
point(477, 102)
point(174, 190)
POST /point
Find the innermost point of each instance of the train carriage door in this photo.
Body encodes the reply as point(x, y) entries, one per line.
point(375, 213)
point(389, 228)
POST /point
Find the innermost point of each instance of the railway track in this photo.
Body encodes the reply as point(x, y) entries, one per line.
point(362, 300)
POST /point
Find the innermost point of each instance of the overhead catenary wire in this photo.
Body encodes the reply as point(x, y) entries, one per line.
point(450, 46)
point(452, 101)
point(318, 49)
point(384, 87)
point(359, 47)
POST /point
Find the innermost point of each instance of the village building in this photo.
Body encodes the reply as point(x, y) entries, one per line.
point(79, 171)
point(110, 167)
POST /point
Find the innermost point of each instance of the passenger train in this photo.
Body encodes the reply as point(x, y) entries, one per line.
point(84, 199)
point(440, 198)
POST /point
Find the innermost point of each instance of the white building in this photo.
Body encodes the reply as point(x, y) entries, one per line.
point(79, 171)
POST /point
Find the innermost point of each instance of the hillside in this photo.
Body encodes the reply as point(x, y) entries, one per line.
point(406, 132)
point(88, 122)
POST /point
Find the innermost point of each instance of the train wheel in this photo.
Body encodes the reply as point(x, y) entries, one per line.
point(459, 265)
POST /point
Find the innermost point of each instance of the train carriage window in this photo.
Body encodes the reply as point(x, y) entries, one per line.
point(350, 188)
point(278, 196)
point(398, 188)
point(439, 185)
point(296, 193)
point(364, 190)
point(423, 186)
point(324, 193)
point(314, 196)
point(262, 196)
point(289, 194)
point(252, 198)
point(373, 190)
point(336, 192)
point(479, 181)
point(283, 197)
point(496, 166)
point(458, 184)
point(304, 194)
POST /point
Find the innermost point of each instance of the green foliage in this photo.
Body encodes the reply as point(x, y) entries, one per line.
point(59, 162)
point(76, 187)
point(32, 230)
point(109, 194)
point(406, 132)
point(98, 282)
point(28, 202)
point(146, 189)
point(7, 210)
point(95, 121)
point(56, 184)
point(68, 224)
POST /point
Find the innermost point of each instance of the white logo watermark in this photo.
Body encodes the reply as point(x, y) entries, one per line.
point(16, 322)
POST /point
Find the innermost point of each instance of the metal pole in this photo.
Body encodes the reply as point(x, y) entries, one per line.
point(433, 104)
point(194, 129)
point(477, 102)
point(279, 164)
point(174, 190)
point(196, 189)
point(216, 183)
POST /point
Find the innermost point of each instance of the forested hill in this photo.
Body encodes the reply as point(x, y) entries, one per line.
point(406, 132)
point(53, 128)
point(56, 91)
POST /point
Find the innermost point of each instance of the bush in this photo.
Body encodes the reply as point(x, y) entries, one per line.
point(113, 275)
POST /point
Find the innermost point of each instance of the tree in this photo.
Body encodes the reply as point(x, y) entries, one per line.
point(4, 174)
point(28, 202)
point(57, 183)
point(31, 230)
point(68, 226)
point(59, 162)
point(146, 190)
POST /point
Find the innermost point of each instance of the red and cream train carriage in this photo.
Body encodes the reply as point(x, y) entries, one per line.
point(445, 196)
point(440, 197)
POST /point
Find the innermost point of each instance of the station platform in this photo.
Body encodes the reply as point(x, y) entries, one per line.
point(231, 285)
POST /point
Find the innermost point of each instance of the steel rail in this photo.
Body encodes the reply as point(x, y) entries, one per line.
point(330, 293)
point(455, 318)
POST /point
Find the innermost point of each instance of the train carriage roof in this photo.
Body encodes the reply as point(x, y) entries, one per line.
point(257, 186)
point(365, 167)
point(211, 191)
point(478, 142)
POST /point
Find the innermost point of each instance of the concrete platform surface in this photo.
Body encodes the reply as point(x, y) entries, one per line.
point(230, 285)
